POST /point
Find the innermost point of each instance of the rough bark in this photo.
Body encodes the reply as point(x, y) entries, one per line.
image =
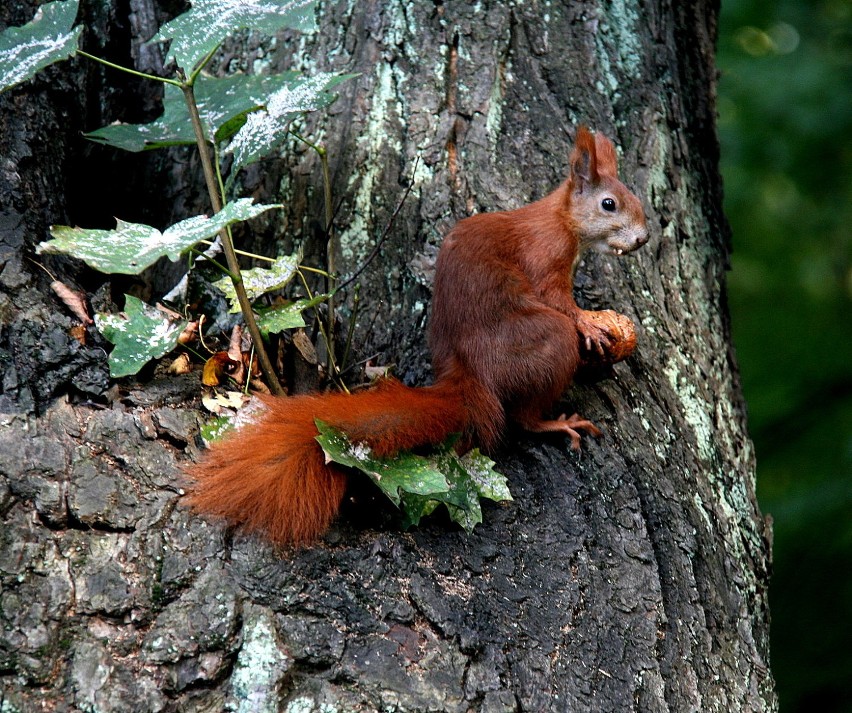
point(629, 577)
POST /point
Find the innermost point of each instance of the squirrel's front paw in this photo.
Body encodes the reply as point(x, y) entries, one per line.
point(595, 335)
point(619, 336)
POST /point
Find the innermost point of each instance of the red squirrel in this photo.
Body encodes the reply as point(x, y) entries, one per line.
point(505, 338)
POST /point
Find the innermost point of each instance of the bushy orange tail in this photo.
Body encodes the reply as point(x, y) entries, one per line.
point(271, 476)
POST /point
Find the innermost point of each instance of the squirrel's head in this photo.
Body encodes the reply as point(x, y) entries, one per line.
point(608, 217)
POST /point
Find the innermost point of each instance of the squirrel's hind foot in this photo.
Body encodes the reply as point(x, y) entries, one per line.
point(569, 425)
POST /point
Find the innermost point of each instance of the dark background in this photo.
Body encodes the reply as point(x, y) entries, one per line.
point(785, 122)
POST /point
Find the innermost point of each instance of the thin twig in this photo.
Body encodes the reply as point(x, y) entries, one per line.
point(356, 299)
point(361, 362)
point(385, 232)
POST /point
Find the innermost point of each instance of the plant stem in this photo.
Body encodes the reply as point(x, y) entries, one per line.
point(334, 376)
point(227, 243)
point(314, 269)
point(217, 164)
point(211, 260)
point(255, 256)
point(201, 65)
point(242, 252)
point(134, 72)
point(356, 299)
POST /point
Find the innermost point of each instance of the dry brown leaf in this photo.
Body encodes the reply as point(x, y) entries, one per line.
point(189, 334)
point(79, 333)
point(181, 365)
point(235, 346)
point(305, 347)
point(251, 363)
point(218, 367)
point(377, 372)
point(73, 300)
point(169, 312)
point(259, 387)
point(215, 403)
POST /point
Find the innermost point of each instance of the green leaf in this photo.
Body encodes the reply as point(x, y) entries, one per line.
point(419, 484)
point(140, 333)
point(416, 507)
point(131, 247)
point(488, 482)
point(281, 318)
point(260, 280)
point(48, 38)
point(468, 482)
point(223, 104)
point(197, 32)
point(216, 428)
point(470, 478)
point(405, 472)
point(230, 127)
point(266, 129)
point(277, 319)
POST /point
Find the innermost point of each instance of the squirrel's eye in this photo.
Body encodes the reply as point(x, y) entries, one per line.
point(608, 204)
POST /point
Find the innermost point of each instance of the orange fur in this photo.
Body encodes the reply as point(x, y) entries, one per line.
point(504, 335)
point(271, 476)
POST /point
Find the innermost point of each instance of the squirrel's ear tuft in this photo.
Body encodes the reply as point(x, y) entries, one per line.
point(583, 160)
point(607, 160)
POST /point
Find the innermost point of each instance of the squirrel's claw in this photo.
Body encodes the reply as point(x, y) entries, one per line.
point(570, 425)
point(595, 336)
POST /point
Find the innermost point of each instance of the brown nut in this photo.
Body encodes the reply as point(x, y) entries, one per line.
point(622, 336)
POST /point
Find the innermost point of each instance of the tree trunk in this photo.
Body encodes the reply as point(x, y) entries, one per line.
point(631, 576)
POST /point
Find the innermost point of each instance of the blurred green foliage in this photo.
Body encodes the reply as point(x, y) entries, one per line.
point(785, 122)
